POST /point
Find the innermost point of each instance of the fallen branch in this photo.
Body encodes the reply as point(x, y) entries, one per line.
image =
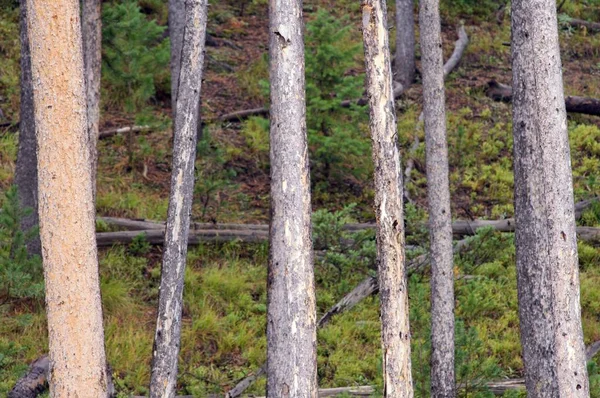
point(241, 115)
point(580, 23)
point(585, 105)
point(119, 130)
point(459, 48)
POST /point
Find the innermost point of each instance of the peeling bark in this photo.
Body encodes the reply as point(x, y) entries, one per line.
point(168, 325)
point(393, 284)
point(26, 164)
point(438, 193)
point(547, 262)
point(405, 43)
point(66, 208)
point(91, 29)
point(291, 316)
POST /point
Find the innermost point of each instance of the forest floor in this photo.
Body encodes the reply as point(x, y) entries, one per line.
point(223, 334)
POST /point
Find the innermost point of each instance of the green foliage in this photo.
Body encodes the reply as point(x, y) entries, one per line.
point(256, 132)
point(135, 59)
point(340, 147)
point(139, 246)
point(476, 8)
point(10, 55)
point(20, 274)
point(585, 158)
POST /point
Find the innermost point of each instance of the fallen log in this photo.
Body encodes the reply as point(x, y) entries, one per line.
point(195, 237)
point(584, 105)
point(244, 114)
point(580, 23)
point(120, 130)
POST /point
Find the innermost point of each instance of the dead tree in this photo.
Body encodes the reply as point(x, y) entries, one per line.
point(438, 194)
point(168, 325)
point(404, 62)
point(91, 29)
point(393, 285)
point(26, 164)
point(66, 210)
point(291, 315)
point(546, 244)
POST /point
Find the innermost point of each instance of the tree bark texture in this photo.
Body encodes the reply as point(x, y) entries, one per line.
point(91, 29)
point(546, 246)
point(176, 21)
point(26, 165)
point(438, 193)
point(168, 325)
point(66, 208)
point(291, 316)
point(393, 285)
point(405, 43)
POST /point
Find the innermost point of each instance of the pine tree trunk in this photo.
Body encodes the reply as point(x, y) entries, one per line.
point(66, 209)
point(388, 204)
point(91, 29)
point(26, 165)
point(168, 327)
point(291, 325)
point(547, 262)
point(438, 193)
point(405, 43)
point(176, 25)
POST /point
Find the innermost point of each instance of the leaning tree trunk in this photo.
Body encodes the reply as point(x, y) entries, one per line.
point(438, 193)
point(291, 324)
point(176, 25)
point(66, 208)
point(388, 204)
point(168, 325)
point(405, 43)
point(547, 263)
point(26, 165)
point(91, 29)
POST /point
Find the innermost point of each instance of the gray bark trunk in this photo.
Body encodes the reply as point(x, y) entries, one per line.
point(26, 165)
point(291, 316)
point(405, 43)
point(91, 29)
point(66, 209)
point(438, 194)
point(176, 23)
point(393, 285)
point(168, 326)
point(546, 246)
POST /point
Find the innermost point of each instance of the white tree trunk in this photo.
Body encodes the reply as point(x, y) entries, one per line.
point(405, 43)
point(291, 317)
point(66, 208)
point(393, 285)
point(547, 263)
point(438, 193)
point(168, 325)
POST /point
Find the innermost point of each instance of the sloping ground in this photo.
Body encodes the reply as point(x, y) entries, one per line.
point(225, 294)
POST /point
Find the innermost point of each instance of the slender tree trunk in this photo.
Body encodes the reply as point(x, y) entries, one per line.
point(26, 165)
point(176, 25)
point(66, 209)
point(168, 325)
point(547, 263)
point(388, 204)
point(405, 43)
point(91, 29)
point(291, 316)
point(438, 192)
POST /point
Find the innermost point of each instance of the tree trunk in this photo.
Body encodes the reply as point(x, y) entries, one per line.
point(405, 43)
point(26, 165)
point(66, 209)
point(388, 204)
point(438, 193)
point(176, 21)
point(546, 246)
point(291, 315)
point(168, 325)
point(91, 29)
